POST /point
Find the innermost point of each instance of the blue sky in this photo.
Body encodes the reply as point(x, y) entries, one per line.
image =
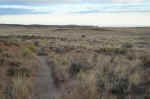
point(70, 9)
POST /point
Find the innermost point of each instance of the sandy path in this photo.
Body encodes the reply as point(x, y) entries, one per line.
point(45, 87)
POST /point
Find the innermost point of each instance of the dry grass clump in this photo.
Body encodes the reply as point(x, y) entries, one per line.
point(59, 73)
point(19, 88)
point(29, 49)
point(82, 88)
point(27, 52)
point(118, 76)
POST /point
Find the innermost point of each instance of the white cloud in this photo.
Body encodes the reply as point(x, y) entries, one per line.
point(128, 0)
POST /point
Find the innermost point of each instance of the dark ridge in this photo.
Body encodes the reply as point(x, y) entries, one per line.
point(56, 26)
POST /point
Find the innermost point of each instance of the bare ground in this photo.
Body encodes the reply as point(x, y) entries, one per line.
point(45, 87)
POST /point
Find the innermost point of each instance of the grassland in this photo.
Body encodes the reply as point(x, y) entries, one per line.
point(86, 62)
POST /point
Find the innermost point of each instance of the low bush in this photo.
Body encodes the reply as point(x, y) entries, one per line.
point(25, 72)
point(12, 71)
point(110, 82)
point(127, 45)
point(32, 47)
point(120, 76)
point(115, 51)
point(76, 67)
point(145, 61)
point(60, 50)
point(19, 71)
point(15, 63)
point(27, 52)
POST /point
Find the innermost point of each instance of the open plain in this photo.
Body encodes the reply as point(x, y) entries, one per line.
point(74, 62)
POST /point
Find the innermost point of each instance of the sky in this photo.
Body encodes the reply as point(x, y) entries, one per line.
point(78, 12)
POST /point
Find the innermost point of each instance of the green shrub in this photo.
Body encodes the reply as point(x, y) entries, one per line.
point(29, 49)
point(77, 66)
point(27, 52)
point(32, 47)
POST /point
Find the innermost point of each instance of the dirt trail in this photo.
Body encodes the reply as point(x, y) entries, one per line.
point(45, 87)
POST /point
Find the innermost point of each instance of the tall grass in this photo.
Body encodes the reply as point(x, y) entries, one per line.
point(19, 88)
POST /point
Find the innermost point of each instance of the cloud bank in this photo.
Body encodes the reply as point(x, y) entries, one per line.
point(34, 2)
point(76, 8)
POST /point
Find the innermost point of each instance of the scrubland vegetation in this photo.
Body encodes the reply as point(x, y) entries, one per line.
point(105, 74)
point(85, 62)
point(18, 66)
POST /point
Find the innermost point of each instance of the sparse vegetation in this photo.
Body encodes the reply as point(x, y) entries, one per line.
point(16, 70)
point(85, 63)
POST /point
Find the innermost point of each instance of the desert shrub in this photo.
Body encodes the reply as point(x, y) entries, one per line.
point(131, 56)
point(12, 71)
point(27, 52)
point(29, 49)
point(25, 72)
point(65, 60)
point(19, 88)
point(76, 67)
point(62, 60)
point(112, 83)
point(15, 63)
point(145, 60)
point(115, 51)
point(127, 45)
point(32, 47)
point(6, 54)
point(6, 57)
point(19, 71)
point(83, 36)
point(60, 50)
point(120, 76)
